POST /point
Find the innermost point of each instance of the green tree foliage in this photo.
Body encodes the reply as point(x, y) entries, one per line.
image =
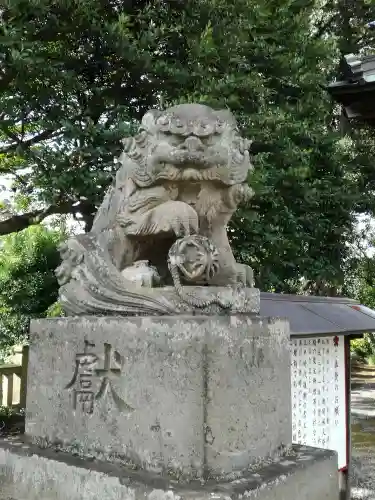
point(347, 21)
point(76, 76)
point(28, 285)
point(360, 284)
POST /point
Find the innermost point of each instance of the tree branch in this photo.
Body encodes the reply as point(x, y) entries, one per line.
point(18, 222)
point(46, 134)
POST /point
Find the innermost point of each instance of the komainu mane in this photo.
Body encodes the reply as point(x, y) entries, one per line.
point(182, 176)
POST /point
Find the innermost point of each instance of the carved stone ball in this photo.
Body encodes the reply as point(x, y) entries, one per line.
point(142, 274)
point(195, 257)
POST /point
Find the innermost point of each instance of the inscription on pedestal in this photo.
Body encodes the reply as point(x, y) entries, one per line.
point(86, 375)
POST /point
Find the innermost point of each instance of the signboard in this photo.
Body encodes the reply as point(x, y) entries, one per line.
point(319, 394)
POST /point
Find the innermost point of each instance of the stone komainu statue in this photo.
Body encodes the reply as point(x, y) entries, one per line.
point(163, 223)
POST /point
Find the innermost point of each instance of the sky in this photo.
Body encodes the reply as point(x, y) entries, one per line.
point(73, 226)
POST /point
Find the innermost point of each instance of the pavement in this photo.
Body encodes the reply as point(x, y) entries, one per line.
point(363, 433)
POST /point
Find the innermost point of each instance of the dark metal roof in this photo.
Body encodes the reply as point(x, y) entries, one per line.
point(310, 315)
point(356, 92)
point(356, 71)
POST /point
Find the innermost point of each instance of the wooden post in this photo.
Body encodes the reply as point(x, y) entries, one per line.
point(1, 389)
point(25, 363)
point(344, 476)
point(10, 378)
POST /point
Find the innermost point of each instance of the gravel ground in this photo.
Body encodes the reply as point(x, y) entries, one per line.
point(363, 477)
point(363, 434)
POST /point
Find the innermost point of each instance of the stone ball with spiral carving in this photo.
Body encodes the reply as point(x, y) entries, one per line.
point(195, 257)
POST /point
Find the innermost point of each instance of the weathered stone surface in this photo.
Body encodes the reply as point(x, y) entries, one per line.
point(27, 473)
point(191, 395)
point(248, 410)
point(183, 176)
point(97, 288)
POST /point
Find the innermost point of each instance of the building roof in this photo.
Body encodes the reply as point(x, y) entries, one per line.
point(356, 92)
point(310, 315)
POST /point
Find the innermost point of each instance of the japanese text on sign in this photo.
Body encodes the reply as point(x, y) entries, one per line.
point(318, 394)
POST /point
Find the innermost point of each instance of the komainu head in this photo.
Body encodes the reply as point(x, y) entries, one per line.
point(188, 142)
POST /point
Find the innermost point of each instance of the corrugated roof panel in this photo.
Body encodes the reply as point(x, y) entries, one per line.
point(301, 320)
point(344, 316)
point(306, 298)
point(318, 315)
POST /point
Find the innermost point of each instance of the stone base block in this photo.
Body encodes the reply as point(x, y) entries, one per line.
point(30, 474)
point(193, 396)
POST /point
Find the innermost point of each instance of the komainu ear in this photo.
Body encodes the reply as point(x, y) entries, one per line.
point(127, 143)
point(248, 145)
point(226, 116)
point(149, 119)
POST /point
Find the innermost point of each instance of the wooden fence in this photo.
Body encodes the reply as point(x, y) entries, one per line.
point(13, 382)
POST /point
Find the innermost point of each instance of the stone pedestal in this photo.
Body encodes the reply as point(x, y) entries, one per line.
point(28, 473)
point(186, 395)
point(176, 402)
